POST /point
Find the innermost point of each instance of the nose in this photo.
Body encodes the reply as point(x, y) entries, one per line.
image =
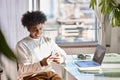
point(38, 31)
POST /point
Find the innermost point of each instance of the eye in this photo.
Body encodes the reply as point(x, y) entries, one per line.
point(40, 29)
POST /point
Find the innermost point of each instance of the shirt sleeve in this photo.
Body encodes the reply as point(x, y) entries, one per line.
point(25, 64)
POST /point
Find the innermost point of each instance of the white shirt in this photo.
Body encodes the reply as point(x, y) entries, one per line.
point(31, 51)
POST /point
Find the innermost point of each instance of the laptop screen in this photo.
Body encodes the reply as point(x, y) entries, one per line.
point(99, 54)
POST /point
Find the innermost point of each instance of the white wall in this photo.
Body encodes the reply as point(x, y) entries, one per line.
point(115, 40)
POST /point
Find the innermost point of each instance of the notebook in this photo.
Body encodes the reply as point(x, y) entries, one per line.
point(96, 62)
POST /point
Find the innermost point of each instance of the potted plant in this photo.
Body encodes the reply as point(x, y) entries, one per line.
point(110, 8)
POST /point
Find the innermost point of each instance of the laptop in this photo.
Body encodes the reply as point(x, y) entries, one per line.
point(96, 62)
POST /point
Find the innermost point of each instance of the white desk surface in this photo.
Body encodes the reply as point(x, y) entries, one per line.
point(109, 71)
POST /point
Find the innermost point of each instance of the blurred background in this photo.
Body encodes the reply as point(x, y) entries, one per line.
point(71, 23)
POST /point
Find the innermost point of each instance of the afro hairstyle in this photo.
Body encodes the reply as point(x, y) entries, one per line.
point(32, 18)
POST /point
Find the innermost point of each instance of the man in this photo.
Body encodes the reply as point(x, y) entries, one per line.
point(36, 52)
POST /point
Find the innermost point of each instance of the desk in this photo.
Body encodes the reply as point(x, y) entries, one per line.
point(106, 73)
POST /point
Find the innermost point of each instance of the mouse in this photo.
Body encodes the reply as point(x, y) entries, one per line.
point(81, 56)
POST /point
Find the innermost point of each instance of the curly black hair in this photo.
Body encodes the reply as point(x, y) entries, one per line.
point(32, 18)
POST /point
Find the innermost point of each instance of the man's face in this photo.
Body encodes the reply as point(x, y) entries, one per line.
point(36, 30)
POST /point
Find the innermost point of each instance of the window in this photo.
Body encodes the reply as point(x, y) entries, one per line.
point(69, 21)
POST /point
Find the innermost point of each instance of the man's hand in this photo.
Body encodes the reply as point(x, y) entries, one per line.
point(57, 58)
point(46, 61)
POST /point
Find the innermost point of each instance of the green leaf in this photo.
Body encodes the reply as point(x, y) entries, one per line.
point(111, 15)
point(102, 5)
point(5, 49)
point(92, 4)
point(110, 8)
point(116, 17)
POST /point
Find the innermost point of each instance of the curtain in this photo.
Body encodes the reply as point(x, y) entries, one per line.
point(10, 21)
point(104, 26)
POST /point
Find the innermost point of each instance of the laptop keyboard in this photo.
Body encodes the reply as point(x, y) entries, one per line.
point(86, 63)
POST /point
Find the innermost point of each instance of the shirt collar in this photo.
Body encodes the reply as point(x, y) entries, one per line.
point(35, 39)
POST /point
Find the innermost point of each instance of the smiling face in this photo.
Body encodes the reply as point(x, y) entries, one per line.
point(36, 30)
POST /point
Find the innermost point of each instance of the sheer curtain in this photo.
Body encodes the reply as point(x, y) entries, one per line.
point(10, 21)
point(104, 25)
